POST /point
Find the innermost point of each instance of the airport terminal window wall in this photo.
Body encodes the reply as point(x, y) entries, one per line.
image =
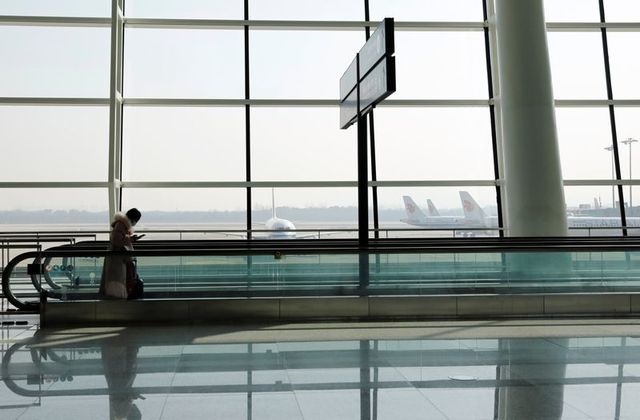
point(221, 102)
point(595, 84)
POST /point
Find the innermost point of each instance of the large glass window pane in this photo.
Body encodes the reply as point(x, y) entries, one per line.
point(571, 11)
point(184, 63)
point(632, 200)
point(427, 10)
point(54, 209)
point(628, 127)
point(301, 144)
point(201, 207)
point(625, 64)
point(595, 199)
point(583, 136)
point(312, 211)
point(185, 9)
point(306, 9)
point(183, 144)
point(301, 64)
point(589, 210)
point(48, 143)
point(433, 143)
point(440, 65)
point(437, 211)
point(622, 10)
point(54, 61)
point(628, 130)
point(43, 206)
point(577, 65)
point(75, 8)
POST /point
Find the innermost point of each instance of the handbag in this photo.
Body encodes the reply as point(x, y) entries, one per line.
point(135, 285)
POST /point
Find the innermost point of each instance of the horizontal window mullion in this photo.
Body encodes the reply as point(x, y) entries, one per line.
point(437, 183)
point(54, 184)
point(307, 184)
point(297, 102)
point(296, 24)
point(237, 184)
point(54, 21)
point(592, 26)
point(53, 101)
point(605, 182)
point(578, 103)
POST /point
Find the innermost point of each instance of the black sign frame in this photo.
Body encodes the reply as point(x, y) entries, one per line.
point(373, 67)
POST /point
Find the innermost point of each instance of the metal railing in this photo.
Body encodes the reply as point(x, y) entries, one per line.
point(21, 240)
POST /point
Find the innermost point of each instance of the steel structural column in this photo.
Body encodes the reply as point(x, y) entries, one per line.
point(115, 106)
point(534, 196)
point(247, 122)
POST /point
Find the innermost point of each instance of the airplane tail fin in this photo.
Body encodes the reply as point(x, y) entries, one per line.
point(472, 211)
point(433, 211)
point(412, 209)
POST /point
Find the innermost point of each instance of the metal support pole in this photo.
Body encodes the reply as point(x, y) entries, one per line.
point(363, 196)
point(363, 205)
point(629, 142)
point(613, 176)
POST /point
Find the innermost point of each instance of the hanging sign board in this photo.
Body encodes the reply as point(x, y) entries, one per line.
point(370, 77)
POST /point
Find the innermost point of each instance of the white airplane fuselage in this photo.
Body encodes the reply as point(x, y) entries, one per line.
point(280, 228)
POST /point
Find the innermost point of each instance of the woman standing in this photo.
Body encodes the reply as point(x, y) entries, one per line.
point(113, 283)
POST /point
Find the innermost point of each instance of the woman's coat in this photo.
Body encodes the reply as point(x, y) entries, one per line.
point(114, 271)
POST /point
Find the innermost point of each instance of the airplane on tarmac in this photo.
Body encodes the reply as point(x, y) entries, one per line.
point(474, 212)
point(416, 217)
point(278, 228)
point(433, 211)
point(281, 228)
point(475, 217)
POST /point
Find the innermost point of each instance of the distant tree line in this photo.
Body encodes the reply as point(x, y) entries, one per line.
point(295, 214)
point(328, 214)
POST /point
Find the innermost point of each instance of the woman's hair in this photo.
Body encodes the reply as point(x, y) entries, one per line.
point(134, 214)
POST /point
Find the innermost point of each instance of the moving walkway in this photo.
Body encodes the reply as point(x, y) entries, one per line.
point(204, 280)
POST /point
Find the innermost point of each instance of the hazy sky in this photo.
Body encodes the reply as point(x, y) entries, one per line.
point(70, 143)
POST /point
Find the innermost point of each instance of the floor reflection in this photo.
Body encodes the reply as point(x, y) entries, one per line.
point(168, 373)
point(119, 361)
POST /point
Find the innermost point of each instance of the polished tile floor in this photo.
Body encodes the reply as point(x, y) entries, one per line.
point(562, 369)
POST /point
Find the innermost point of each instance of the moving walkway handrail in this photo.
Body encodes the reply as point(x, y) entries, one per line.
point(320, 247)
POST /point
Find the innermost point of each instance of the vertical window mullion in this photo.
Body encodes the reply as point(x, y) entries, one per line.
point(612, 116)
point(492, 115)
point(115, 108)
point(247, 116)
